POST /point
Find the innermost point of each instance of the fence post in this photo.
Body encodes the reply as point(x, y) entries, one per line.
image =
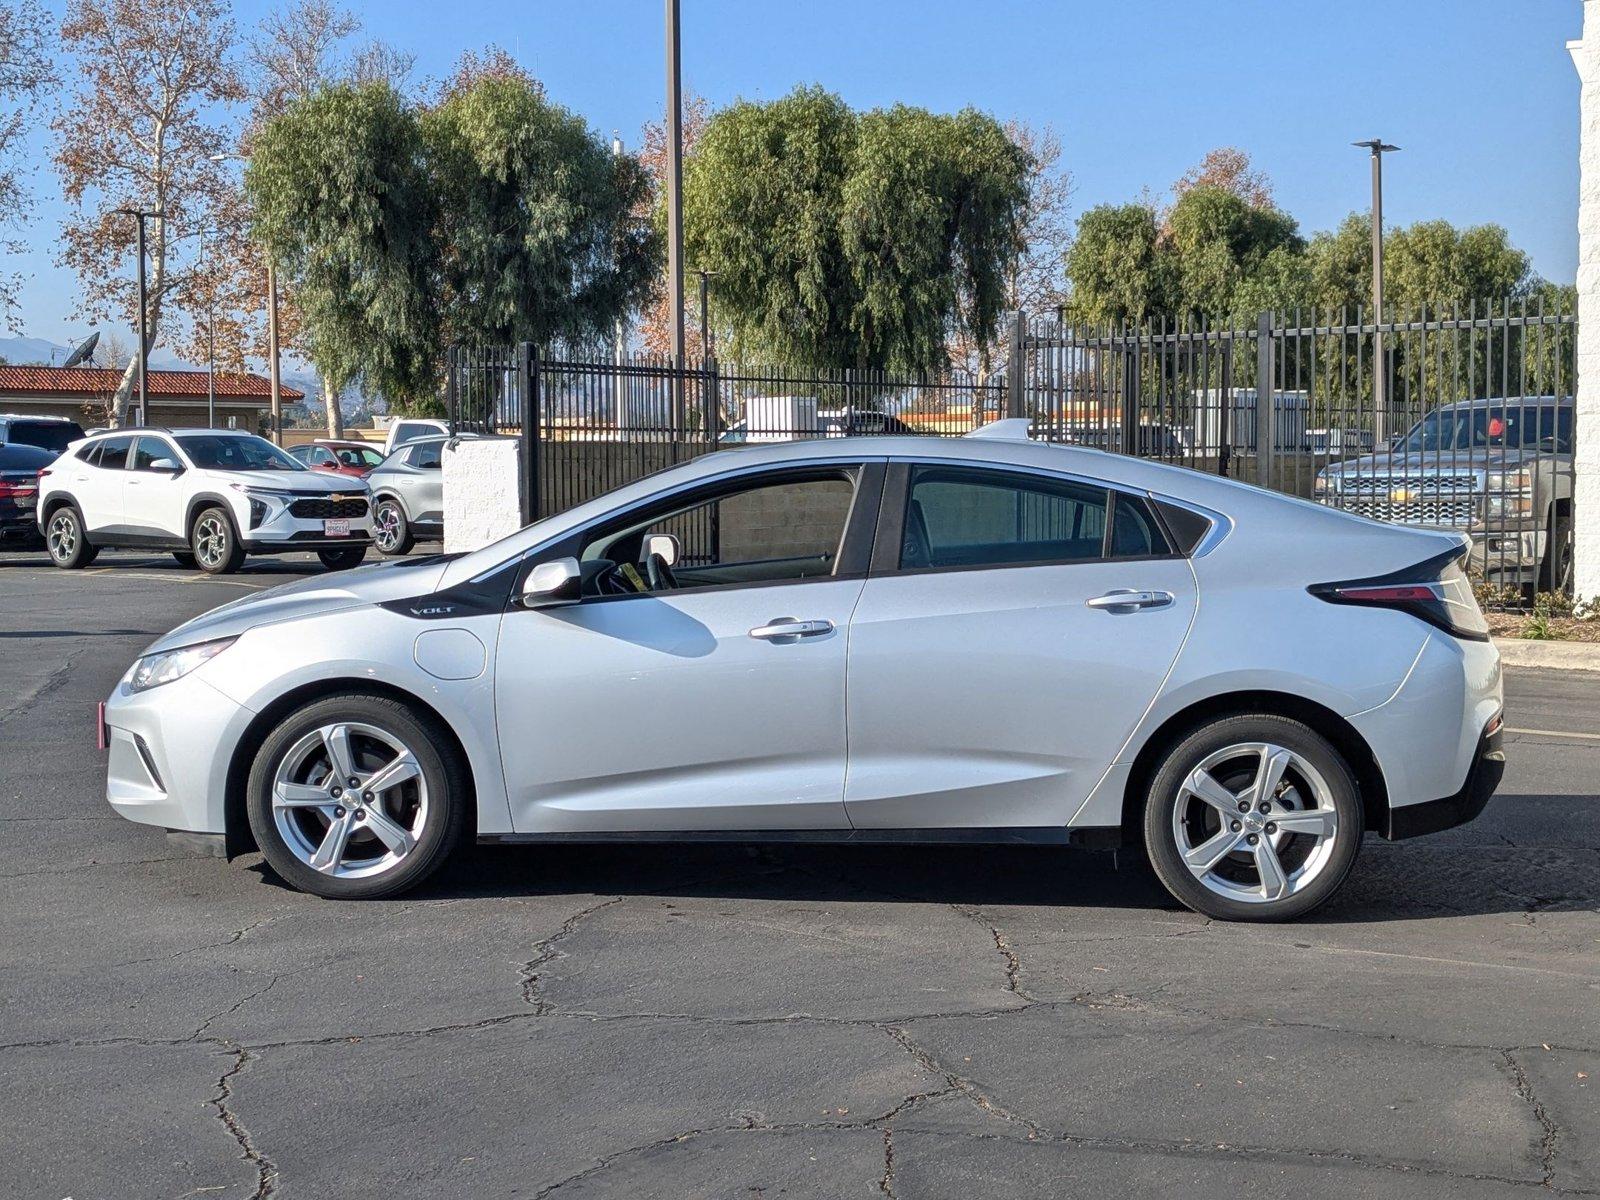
point(452, 399)
point(1266, 409)
point(1017, 371)
point(528, 443)
point(1132, 389)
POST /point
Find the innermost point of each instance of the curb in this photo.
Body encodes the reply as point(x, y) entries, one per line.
point(1549, 656)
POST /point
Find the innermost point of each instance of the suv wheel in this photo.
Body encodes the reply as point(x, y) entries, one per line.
point(391, 532)
point(1253, 818)
point(356, 797)
point(342, 560)
point(65, 539)
point(184, 559)
point(214, 543)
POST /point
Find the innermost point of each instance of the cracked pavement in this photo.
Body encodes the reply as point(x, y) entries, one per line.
point(798, 1021)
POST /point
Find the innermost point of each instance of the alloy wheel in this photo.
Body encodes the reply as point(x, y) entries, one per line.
point(1255, 822)
point(349, 800)
point(386, 529)
point(63, 536)
point(210, 541)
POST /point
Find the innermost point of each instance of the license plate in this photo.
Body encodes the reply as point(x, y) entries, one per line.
point(339, 528)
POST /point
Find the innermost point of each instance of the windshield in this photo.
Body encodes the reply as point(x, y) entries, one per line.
point(1518, 427)
point(236, 452)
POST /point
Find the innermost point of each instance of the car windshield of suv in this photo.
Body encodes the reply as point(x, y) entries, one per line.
point(1519, 427)
point(237, 452)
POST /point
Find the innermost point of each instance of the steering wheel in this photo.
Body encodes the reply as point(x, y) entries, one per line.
point(660, 574)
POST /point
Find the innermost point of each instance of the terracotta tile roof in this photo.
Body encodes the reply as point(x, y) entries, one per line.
point(96, 381)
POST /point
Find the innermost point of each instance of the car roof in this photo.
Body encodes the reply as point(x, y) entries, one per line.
point(1511, 402)
point(22, 451)
point(11, 416)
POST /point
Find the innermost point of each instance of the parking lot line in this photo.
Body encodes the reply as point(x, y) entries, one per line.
point(1557, 733)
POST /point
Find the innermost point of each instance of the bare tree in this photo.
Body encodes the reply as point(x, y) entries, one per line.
point(655, 324)
point(1228, 168)
point(26, 68)
point(155, 84)
point(379, 62)
point(292, 53)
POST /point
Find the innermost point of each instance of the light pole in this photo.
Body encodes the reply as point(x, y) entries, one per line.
point(139, 214)
point(274, 374)
point(705, 316)
point(1377, 147)
point(675, 183)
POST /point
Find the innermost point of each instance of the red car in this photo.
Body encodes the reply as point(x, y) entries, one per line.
point(341, 458)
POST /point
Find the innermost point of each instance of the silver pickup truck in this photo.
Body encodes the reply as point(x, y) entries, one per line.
point(1497, 470)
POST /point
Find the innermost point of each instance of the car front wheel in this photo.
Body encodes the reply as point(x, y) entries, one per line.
point(391, 532)
point(1253, 818)
point(342, 560)
point(356, 797)
point(214, 543)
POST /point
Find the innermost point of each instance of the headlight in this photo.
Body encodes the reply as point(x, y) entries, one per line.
point(163, 667)
point(1510, 504)
point(1507, 481)
point(1321, 487)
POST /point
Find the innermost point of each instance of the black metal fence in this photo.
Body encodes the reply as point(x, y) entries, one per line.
point(1459, 418)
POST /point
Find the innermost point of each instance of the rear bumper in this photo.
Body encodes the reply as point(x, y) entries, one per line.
point(1431, 816)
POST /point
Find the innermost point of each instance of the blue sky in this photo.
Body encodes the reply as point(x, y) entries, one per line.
point(1481, 94)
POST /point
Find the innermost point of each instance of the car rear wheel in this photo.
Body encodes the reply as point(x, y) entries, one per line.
point(66, 541)
point(214, 542)
point(1253, 818)
point(391, 532)
point(356, 797)
point(342, 560)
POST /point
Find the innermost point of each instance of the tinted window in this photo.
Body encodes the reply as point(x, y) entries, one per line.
point(24, 458)
point(410, 431)
point(114, 453)
point(1491, 426)
point(48, 435)
point(780, 529)
point(358, 456)
point(1134, 531)
point(90, 453)
point(959, 517)
point(426, 455)
point(147, 450)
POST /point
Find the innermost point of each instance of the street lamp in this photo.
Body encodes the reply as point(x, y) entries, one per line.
point(1377, 147)
point(273, 371)
point(705, 316)
point(139, 214)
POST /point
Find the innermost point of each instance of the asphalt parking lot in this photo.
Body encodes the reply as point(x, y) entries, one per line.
point(727, 1021)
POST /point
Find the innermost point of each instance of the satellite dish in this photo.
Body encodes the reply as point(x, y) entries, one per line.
point(84, 350)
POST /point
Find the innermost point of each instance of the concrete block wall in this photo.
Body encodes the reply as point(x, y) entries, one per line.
point(482, 492)
point(1586, 484)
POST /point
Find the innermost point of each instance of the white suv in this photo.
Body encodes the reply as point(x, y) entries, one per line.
point(210, 496)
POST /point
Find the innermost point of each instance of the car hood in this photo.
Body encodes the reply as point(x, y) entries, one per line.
point(1443, 462)
point(284, 481)
point(320, 594)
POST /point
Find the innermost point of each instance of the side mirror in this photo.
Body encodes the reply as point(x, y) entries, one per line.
point(169, 466)
point(664, 546)
point(553, 583)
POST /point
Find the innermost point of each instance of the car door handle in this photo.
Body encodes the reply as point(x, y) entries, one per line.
point(1128, 598)
point(788, 627)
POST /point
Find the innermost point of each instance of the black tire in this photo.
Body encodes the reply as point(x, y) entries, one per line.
point(391, 532)
point(342, 560)
point(184, 559)
point(1329, 861)
point(1556, 566)
point(65, 540)
point(214, 542)
point(439, 827)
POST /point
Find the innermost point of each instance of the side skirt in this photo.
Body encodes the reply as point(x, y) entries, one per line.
point(1096, 838)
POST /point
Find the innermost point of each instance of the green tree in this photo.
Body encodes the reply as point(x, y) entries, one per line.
point(538, 239)
point(342, 202)
point(1431, 263)
point(854, 240)
point(1219, 244)
point(1117, 267)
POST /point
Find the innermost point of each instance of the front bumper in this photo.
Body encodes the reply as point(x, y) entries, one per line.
point(1431, 816)
point(280, 531)
point(165, 763)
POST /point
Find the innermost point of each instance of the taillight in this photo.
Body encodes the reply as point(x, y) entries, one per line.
point(12, 490)
point(1436, 590)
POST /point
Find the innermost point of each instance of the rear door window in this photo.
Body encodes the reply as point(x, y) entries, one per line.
point(114, 453)
point(971, 517)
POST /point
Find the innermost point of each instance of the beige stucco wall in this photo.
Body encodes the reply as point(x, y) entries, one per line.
point(1586, 485)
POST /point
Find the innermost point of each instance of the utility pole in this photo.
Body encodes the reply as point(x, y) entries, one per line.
point(675, 182)
point(139, 214)
point(1377, 147)
point(272, 353)
point(705, 315)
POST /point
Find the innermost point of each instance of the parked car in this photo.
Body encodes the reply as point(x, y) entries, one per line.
point(19, 491)
point(837, 422)
point(48, 433)
point(408, 496)
point(409, 429)
point(356, 459)
point(1499, 471)
point(1042, 643)
point(210, 496)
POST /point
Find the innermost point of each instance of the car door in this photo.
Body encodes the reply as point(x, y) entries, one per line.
point(1014, 629)
point(152, 500)
point(423, 484)
point(97, 485)
point(717, 704)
